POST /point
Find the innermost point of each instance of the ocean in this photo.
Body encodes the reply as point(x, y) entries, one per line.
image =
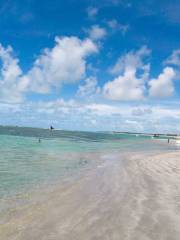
point(76, 185)
point(26, 163)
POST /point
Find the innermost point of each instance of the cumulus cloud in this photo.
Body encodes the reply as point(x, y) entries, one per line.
point(162, 86)
point(89, 88)
point(133, 70)
point(96, 32)
point(12, 82)
point(133, 60)
point(64, 63)
point(92, 12)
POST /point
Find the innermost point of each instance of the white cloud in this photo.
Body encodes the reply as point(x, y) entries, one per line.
point(140, 111)
point(96, 32)
point(89, 88)
point(174, 59)
point(162, 86)
point(12, 83)
point(64, 63)
point(92, 12)
point(133, 70)
point(92, 116)
point(115, 25)
point(124, 88)
point(133, 60)
point(103, 109)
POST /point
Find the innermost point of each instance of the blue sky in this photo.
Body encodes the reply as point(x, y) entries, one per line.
point(83, 65)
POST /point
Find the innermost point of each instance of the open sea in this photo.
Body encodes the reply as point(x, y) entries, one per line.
point(26, 163)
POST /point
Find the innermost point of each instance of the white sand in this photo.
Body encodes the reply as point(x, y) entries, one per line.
point(127, 197)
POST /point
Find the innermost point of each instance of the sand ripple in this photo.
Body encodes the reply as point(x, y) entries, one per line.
point(126, 197)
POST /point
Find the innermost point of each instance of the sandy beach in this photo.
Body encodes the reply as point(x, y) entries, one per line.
point(127, 196)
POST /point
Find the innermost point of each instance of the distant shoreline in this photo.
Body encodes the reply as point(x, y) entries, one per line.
point(149, 134)
point(155, 134)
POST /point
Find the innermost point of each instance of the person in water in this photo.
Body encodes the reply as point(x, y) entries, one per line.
point(51, 128)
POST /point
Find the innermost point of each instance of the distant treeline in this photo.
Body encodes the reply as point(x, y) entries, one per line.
point(149, 134)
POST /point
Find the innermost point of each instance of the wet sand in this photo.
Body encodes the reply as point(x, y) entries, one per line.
point(128, 196)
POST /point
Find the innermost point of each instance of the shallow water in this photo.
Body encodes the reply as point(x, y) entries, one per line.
point(25, 163)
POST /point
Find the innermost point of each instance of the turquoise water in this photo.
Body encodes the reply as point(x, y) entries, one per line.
point(25, 162)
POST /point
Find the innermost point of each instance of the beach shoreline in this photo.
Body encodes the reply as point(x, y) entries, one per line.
point(127, 196)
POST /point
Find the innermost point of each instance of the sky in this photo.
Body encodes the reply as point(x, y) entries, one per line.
point(90, 65)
